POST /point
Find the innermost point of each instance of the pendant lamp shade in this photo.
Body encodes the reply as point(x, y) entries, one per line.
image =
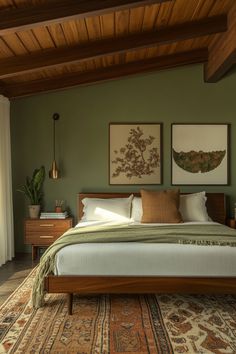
point(54, 172)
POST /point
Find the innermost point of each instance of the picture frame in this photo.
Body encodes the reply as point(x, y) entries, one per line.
point(200, 153)
point(135, 153)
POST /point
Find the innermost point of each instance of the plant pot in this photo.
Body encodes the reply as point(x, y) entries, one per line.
point(34, 211)
point(58, 209)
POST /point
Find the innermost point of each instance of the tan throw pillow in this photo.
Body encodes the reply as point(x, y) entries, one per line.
point(161, 206)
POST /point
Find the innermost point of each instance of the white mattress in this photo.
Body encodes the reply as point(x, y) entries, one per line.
point(125, 259)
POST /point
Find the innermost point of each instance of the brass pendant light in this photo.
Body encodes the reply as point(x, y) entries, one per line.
point(54, 172)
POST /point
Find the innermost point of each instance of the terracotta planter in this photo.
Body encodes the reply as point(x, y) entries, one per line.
point(58, 209)
point(34, 211)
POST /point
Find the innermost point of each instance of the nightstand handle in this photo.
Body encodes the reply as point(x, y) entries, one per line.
point(43, 225)
point(45, 236)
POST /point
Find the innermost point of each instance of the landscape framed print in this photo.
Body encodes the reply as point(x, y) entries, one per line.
point(200, 154)
point(135, 153)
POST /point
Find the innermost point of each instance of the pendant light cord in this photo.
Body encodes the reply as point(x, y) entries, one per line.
point(55, 117)
point(54, 140)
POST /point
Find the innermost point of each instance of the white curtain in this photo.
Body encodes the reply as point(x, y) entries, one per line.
point(6, 208)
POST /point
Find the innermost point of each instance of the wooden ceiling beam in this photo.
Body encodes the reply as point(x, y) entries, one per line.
point(222, 54)
point(110, 73)
point(56, 57)
point(55, 11)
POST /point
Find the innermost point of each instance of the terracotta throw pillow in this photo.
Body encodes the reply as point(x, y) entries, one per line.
point(161, 206)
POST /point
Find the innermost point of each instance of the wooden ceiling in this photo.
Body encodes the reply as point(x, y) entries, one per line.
point(54, 44)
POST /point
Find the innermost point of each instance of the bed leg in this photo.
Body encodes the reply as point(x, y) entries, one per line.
point(70, 303)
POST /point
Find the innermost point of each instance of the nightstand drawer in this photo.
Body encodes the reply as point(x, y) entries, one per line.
point(44, 232)
point(42, 239)
point(46, 225)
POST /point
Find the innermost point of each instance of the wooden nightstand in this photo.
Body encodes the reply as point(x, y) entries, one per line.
point(43, 232)
point(231, 223)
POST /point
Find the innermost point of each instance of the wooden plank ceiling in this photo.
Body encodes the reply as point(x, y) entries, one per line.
point(54, 44)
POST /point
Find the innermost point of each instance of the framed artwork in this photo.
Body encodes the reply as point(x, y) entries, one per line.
point(135, 153)
point(200, 154)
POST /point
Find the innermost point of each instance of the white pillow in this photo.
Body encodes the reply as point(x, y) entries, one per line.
point(136, 209)
point(117, 209)
point(192, 207)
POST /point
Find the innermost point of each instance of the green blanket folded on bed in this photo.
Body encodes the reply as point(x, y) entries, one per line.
point(212, 234)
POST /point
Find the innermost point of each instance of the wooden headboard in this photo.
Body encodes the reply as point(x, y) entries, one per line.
point(216, 205)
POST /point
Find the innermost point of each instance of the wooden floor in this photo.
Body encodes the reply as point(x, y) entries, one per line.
point(13, 273)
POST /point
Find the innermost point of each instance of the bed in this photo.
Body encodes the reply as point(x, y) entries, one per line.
point(143, 283)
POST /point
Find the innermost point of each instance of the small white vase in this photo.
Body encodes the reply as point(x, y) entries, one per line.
point(34, 211)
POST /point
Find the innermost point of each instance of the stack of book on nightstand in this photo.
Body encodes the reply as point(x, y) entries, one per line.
point(53, 215)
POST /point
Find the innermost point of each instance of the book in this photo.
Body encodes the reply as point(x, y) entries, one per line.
point(49, 213)
point(54, 215)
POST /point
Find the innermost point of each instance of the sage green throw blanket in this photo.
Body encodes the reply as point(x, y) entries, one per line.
point(212, 234)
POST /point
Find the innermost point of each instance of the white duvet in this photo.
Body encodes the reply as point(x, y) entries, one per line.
point(131, 258)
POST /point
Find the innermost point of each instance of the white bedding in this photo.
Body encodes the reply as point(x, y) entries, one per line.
point(126, 259)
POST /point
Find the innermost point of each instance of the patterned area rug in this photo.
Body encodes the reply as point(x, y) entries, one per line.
point(118, 324)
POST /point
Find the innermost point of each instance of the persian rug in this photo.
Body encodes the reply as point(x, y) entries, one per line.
point(114, 324)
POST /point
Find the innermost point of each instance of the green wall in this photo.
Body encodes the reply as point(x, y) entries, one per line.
point(178, 95)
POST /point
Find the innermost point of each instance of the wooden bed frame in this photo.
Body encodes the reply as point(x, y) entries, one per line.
point(216, 206)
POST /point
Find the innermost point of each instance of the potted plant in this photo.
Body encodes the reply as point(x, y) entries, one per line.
point(32, 189)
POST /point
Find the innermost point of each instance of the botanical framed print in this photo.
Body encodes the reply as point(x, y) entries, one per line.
point(200, 154)
point(135, 153)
